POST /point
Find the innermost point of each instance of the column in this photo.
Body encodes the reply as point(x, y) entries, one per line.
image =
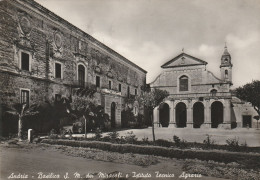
point(172, 115)
point(156, 116)
point(227, 115)
point(207, 115)
point(189, 115)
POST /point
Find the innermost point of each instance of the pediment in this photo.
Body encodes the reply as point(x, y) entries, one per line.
point(183, 60)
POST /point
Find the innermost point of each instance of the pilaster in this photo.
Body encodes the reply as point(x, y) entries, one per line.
point(207, 115)
point(190, 115)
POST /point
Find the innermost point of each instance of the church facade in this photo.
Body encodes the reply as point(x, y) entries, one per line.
point(45, 58)
point(199, 99)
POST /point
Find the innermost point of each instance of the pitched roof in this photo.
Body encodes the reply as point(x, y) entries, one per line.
point(196, 61)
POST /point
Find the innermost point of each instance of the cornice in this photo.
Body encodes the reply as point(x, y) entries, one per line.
point(70, 26)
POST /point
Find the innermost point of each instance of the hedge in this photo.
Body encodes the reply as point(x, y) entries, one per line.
point(249, 160)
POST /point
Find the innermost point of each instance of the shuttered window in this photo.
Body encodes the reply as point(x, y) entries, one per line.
point(25, 97)
point(25, 61)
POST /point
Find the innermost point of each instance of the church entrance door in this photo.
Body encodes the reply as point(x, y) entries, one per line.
point(198, 114)
point(216, 114)
point(181, 115)
point(164, 115)
point(247, 122)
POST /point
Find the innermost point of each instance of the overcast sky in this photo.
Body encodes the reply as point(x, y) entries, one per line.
point(151, 32)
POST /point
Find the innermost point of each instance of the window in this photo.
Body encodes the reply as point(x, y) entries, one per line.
point(119, 87)
point(25, 96)
point(81, 75)
point(136, 92)
point(184, 83)
point(97, 81)
point(79, 45)
point(128, 91)
point(57, 97)
point(135, 111)
point(57, 70)
point(25, 61)
point(226, 60)
point(213, 92)
point(109, 84)
point(226, 73)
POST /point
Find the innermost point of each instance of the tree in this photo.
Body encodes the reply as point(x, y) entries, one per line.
point(151, 99)
point(251, 93)
point(22, 110)
point(84, 103)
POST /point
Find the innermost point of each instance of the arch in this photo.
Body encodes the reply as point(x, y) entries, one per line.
point(226, 73)
point(181, 115)
point(216, 114)
point(213, 92)
point(198, 114)
point(164, 114)
point(113, 115)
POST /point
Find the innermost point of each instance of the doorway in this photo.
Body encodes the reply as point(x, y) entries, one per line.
point(247, 122)
point(113, 115)
point(181, 115)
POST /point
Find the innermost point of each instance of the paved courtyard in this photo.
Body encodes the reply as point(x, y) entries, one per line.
point(250, 136)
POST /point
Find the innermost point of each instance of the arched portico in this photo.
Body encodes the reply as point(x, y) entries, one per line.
point(217, 115)
point(164, 114)
point(181, 115)
point(198, 114)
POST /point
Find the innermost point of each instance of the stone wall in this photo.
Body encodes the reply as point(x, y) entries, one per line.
point(29, 27)
point(201, 80)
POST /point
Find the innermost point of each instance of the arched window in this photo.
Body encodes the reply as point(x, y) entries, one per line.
point(213, 92)
point(184, 83)
point(226, 73)
point(81, 75)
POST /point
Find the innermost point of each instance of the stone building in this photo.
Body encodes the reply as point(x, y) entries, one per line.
point(43, 58)
point(198, 99)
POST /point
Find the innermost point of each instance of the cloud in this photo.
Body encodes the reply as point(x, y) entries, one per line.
point(243, 41)
point(151, 32)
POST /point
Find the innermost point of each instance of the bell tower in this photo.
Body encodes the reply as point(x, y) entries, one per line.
point(226, 66)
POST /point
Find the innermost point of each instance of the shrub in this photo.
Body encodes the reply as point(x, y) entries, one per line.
point(208, 141)
point(177, 140)
point(145, 140)
point(233, 143)
point(245, 159)
point(53, 134)
point(62, 133)
point(164, 143)
point(113, 136)
point(130, 138)
point(98, 134)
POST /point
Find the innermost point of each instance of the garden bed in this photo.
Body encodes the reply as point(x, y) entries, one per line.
point(246, 160)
